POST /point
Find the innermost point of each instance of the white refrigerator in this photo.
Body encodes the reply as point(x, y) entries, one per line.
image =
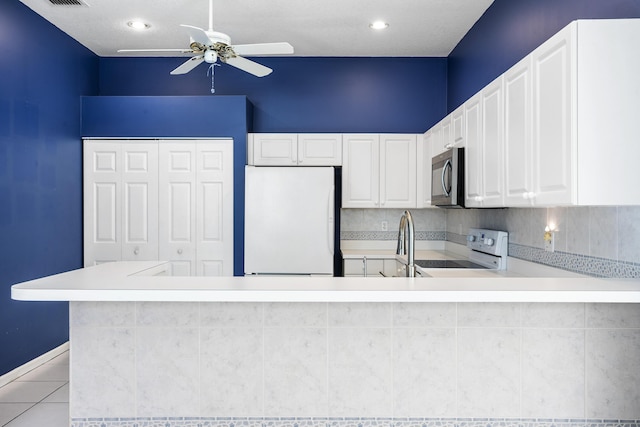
point(289, 220)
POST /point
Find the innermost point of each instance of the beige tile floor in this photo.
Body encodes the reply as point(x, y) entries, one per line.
point(39, 397)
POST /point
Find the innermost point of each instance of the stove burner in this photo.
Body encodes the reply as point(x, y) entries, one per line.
point(447, 263)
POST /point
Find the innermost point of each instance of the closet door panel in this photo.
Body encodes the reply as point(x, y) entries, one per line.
point(214, 206)
point(177, 206)
point(140, 207)
point(102, 212)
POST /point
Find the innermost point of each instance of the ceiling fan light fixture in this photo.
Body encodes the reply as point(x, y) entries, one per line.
point(378, 25)
point(210, 56)
point(138, 25)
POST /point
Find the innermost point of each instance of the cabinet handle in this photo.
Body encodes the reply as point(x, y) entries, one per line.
point(448, 146)
point(179, 251)
point(136, 251)
point(478, 198)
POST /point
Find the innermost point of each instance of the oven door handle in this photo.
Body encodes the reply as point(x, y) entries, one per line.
point(447, 164)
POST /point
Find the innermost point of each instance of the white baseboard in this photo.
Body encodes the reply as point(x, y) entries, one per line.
point(32, 364)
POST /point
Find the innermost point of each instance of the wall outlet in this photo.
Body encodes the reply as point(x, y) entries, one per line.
point(549, 240)
point(384, 226)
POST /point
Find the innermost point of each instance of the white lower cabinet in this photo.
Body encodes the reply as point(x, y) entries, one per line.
point(370, 267)
point(379, 171)
point(169, 200)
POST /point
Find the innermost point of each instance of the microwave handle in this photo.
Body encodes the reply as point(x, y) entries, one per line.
point(447, 164)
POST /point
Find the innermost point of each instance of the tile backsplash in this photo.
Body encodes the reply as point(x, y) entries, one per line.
point(598, 241)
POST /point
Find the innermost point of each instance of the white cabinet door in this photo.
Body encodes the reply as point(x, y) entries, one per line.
point(492, 145)
point(473, 151)
point(290, 149)
point(102, 202)
point(214, 208)
point(456, 137)
point(177, 195)
point(423, 170)
point(518, 142)
point(140, 201)
point(379, 171)
point(553, 136)
point(443, 139)
point(398, 171)
point(274, 149)
point(361, 171)
point(437, 146)
point(320, 149)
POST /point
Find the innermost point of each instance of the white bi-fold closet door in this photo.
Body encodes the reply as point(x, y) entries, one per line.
point(160, 199)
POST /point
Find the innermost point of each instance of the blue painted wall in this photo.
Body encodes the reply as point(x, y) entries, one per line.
point(178, 116)
point(304, 94)
point(509, 30)
point(40, 173)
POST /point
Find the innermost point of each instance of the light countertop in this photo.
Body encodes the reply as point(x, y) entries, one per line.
point(142, 281)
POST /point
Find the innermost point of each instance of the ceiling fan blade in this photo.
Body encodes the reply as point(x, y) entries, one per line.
point(283, 48)
point(249, 66)
point(189, 65)
point(155, 50)
point(197, 34)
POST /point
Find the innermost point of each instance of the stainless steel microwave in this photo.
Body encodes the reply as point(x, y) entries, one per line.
point(447, 179)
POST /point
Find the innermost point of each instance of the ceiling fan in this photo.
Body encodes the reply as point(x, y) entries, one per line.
point(209, 46)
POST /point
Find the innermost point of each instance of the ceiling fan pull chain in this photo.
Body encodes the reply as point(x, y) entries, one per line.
point(211, 71)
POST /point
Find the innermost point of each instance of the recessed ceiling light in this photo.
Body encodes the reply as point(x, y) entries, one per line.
point(378, 25)
point(138, 25)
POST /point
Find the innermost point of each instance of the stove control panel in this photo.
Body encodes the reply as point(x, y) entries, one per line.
point(491, 242)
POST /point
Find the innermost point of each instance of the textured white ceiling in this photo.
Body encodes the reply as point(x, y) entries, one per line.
point(420, 28)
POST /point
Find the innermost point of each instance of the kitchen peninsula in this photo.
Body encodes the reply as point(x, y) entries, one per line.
point(153, 350)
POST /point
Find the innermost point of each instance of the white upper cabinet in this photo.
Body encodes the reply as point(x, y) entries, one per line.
point(423, 169)
point(608, 90)
point(398, 171)
point(379, 171)
point(518, 106)
point(272, 149)
point(554, 138)
point(492, 143)
point(473, 152)
point(456, 136)
point(320, 149)
point(584, 91)
point(560, 126)
point(361, 171)
point(290, 149)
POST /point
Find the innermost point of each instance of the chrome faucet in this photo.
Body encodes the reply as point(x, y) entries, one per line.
point(406, 242)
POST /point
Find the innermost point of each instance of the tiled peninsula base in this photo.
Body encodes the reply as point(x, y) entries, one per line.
point(156, 364)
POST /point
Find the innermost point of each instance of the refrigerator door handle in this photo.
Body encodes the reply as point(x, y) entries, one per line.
point(331, 220)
